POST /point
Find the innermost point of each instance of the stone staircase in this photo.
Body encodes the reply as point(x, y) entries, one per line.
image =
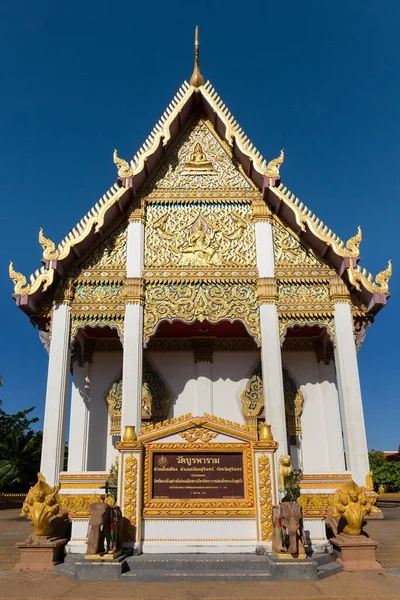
point(198, 567)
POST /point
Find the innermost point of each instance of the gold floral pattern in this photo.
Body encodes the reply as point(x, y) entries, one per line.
point(265, 497)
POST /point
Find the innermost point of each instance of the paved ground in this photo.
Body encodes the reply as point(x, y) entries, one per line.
point(351, 586)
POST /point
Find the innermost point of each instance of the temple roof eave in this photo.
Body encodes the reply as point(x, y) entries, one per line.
point(144, 165)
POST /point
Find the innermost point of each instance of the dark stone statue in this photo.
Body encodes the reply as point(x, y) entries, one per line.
point(288, 534)
point(99, 529)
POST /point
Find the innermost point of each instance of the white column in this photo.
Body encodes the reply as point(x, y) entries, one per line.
point(132, 366)
point(333, 426)
point(271, 364)
point(355, 441)
point(204, 389)
point(56, 396)
point(79, 419)
point(271, 359)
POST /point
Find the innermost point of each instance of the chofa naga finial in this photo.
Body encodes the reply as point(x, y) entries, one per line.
point(49, 248)
point(41, 504)
point(124, 168)
point(274, 165)
point(197, 78)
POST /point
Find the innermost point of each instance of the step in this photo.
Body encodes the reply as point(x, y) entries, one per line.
point(328, 569)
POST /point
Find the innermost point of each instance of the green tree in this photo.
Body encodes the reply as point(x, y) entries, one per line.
point(384, 472)
point(20, 460)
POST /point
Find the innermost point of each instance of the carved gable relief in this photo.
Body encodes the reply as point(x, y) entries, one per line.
point(288, 251)
point(155, 399)
point(109, 255)
point(200, 161)
point(201, 235)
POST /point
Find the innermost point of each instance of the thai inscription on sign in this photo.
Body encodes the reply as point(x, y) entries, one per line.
point(198, 476)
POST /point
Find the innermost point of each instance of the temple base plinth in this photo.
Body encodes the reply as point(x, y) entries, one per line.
point(356, 553)
point(40, 553)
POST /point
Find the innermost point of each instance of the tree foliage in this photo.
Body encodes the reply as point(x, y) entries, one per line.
point(20, 449)
point(384, 472)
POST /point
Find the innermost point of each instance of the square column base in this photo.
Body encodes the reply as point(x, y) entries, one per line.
point(355, 552)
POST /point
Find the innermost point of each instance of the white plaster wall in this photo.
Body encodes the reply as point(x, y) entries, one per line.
point(177, 370)
point(231, 371)
point(105, 368)
point(190, 393)
point(321, 443)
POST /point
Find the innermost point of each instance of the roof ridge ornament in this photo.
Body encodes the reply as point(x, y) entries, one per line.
point(124, 168)
point(20, 284)
point(197, 78)
point(353, 244)
point(49, 248)
point(274, 165)
point(358, 275)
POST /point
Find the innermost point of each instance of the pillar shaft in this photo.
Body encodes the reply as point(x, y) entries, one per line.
point(79, 419)
point(53, 446)
point(355, 440)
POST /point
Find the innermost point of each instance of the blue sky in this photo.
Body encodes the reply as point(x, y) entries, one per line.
point(319, 79)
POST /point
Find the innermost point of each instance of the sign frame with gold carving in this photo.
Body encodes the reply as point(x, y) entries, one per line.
point(181, 508)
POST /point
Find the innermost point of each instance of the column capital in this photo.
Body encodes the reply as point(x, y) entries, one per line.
point(137, 211)
point(267, 290)
point(338, 290)
point(65, 293)
point(261, 211)
point(134, 290)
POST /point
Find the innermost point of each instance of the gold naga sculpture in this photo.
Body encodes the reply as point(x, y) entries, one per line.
point(351, 502)
point(41, 504)
point(50, 251)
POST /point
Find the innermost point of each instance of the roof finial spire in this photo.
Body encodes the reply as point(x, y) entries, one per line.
point(197, 78)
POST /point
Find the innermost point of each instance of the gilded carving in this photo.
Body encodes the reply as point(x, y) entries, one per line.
point(207, 301)
point(306, 319)
point(155, 399)
point(274, 165)
point(150, 431)
point(289, 251)
point(310, 296)
point(124, 169)
point(338, 289)
point(198, 434)
point(134, 290)
point(315, 504)
point(252, 396)
point(114, 402)
point(358, 275)
point(98, 318)
point(350, 502)
point(222, 172)
point(294, 401)
point(49, 248)
point(130, 493)
point(199, 236)
point(267, 291)
point(265, 497)
point(108, 256)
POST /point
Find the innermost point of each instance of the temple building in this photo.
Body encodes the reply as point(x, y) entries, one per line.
point(211, 324)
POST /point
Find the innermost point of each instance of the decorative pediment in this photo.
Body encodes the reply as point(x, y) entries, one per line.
point(200, 161)
point(196, 429)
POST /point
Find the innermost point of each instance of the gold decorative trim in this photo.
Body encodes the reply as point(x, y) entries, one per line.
point(325, 321)
point(134, 290)
point(267, 290)
point(154, 508)
point(84, 476)
point(339, 291)
point(49, 247)
point(124, 170)
point(211, 302)
point(265, 497)
point(315, 505)
point(130, 492)
point(153, 431)
point(198, 434)
point(176, 196)
point(225, 539)
point(218, 274)
point(359, 276)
